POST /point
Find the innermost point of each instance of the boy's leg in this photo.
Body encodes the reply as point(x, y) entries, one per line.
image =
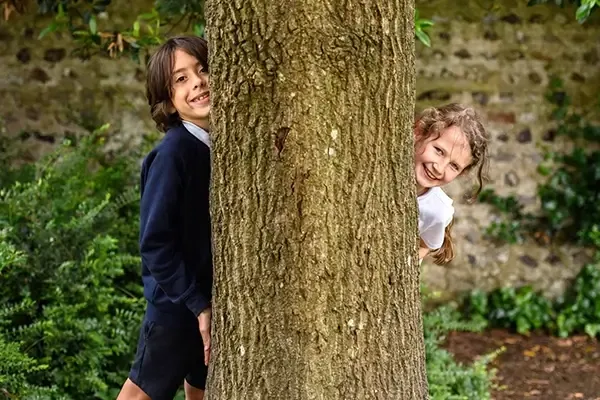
point(131, 391)
point(162, 361)
point(195, 380)
point(192, 393)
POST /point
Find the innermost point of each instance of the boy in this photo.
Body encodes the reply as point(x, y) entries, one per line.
point(175, 233)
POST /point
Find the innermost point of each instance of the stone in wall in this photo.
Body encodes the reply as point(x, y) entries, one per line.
point(47, 91)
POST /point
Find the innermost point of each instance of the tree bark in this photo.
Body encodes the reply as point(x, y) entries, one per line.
point(313, 201)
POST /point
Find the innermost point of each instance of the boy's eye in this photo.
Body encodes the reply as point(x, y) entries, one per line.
point(454, 166)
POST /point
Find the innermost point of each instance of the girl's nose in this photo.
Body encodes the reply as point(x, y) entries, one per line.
point(437, 168)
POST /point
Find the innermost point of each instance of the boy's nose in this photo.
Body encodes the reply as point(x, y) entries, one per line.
point(200, 82)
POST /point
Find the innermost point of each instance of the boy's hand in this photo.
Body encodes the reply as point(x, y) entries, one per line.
point(204, 325)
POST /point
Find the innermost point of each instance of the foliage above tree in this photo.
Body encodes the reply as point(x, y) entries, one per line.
point(584, 7)
point(80, 19)
point(93, 35)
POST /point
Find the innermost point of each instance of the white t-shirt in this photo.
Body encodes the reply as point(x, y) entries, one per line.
point(435, 213)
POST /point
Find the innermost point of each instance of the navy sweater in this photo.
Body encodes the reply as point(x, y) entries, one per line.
point(175, 233)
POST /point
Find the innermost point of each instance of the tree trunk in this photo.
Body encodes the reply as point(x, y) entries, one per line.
point(314, 201)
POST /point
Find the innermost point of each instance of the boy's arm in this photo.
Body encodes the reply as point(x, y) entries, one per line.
point(160, 250)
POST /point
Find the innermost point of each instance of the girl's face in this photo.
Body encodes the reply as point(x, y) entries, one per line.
point(191, 96)
point(438, 161)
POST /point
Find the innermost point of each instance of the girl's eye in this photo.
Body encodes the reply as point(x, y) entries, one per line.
point(180, 79)
point(454, 166)
point(438, 150)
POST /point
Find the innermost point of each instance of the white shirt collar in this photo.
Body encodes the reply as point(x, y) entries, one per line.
point(198, 132)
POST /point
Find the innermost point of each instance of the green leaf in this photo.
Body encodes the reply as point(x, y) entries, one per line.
point(136, 29)
point(102, 129)
point(592, 329)
point(544, 170)
point(584, 10)
point(556, 83)
point(424, 38)
point(93, 26)
point(50, 28)
point(199, 30)
point(147, 16)
point(523, 325)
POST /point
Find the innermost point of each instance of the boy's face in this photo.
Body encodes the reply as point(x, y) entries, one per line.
point(190, 89)
point(438, 161)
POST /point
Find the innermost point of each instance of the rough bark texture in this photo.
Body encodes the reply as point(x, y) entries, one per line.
point(314, 204)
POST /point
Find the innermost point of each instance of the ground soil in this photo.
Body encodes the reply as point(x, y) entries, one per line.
point(537, 366)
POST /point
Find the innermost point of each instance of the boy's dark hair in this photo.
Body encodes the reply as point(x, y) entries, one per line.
point(159, 87)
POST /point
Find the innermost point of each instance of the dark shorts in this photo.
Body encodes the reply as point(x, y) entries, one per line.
point(166, 355)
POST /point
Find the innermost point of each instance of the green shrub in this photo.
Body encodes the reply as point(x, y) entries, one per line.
point(523, 310)
point(449, 380)
point(15, 366)
point(70, 293)
point(518, 309)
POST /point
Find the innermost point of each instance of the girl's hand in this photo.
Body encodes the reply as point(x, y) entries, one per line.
point(423, 250)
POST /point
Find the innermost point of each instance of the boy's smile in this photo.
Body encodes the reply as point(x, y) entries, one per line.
point(190, 94)
point(202, 100)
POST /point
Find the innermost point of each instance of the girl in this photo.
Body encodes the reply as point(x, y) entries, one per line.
point(450, 141)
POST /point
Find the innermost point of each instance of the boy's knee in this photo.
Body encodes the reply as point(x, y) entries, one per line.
point(192, 393)
point(131, 391)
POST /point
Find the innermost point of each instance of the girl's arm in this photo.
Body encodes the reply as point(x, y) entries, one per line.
point(423, 250)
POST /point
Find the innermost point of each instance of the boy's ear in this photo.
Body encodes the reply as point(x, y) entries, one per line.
point(171, 108)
